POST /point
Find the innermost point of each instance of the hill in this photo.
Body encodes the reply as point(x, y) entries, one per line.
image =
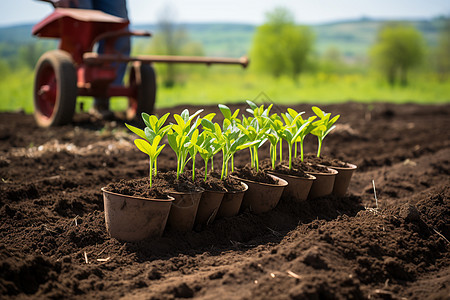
point(351, 37)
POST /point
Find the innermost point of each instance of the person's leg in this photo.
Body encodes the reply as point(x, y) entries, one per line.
point(116, 8)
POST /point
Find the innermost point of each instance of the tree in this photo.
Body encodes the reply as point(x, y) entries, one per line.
point(398, 49)
point(442, 52)
point(280, 46)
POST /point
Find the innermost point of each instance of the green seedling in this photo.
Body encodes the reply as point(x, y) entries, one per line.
point(152, 150)
point(229, 139)
point(208, 143)
point(291, 115)
point(323, 126)
point(291, 133)
point(256, 135)
point(179, 135)
point(154, 128)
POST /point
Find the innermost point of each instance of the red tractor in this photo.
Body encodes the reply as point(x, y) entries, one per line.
point(75, 70)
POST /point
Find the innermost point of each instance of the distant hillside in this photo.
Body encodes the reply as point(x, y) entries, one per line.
point(352, 38)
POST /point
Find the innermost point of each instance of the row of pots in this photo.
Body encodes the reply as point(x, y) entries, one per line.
point(133, 218)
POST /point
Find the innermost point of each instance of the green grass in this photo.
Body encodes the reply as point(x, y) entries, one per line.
point(234, 85)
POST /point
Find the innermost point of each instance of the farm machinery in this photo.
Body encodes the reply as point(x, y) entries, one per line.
point(74, 69)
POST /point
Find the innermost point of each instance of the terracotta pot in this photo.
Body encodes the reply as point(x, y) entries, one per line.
point(343, 179)
point(183, 210)
point(298, 187)
point(231, 203)
point(262, 197)
point(208, 207)
point(133, 219)
point(323, 185)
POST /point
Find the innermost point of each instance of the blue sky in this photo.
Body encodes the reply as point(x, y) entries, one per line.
point(14, 12)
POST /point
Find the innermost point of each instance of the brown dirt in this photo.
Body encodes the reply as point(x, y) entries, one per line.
point(52, 217)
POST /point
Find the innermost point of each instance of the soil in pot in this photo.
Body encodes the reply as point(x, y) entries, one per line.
point(134, 211)
point(264, 190)
point(345, 172)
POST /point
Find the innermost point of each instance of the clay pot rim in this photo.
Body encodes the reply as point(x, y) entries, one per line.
point(351, 167)
point(310, 177)
point(137, 197)
point(280, 180)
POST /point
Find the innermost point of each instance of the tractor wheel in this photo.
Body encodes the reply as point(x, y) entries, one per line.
point(143, 80)
point(55, 89)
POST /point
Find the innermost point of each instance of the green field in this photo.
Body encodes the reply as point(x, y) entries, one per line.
point(232, 85)
point(349, 80)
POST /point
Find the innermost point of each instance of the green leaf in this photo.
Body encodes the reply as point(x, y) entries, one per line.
point(207, 124)
point(180, 121)
point(162, 120)
point(209, 116)
point(149, 134)
point(318, 112)
point(234, 116)
point(143, 145)
point(145, 118)
point(185, 115)
point(195, 114)
point(172, 137)
point(226, 112)
point(252, 105)
point(136, 130)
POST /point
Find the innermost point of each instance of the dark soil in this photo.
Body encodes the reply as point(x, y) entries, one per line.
point(249, 173)
point(325, 160)
point(53, 242)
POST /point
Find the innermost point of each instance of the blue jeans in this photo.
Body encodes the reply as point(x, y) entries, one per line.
point(116, 8)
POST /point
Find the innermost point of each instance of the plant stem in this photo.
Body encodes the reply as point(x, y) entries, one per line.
point(151, 171)
point(212, 163)
point(223, 165)
point(301, 150)
point(256, 158)
point(319, 148)
point(295, 149)
point(193, 168)
point(290, 156)
point(252, 163)
point(281, 150)
point(156, 169)
point(232, 163)
point(206, 168)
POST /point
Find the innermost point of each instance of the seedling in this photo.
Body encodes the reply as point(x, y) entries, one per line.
point(291, 115)
point(210, 146)
point(256, 135)
point(152, 150)
point(291, 133)
point(322, 126)
point(179, 135)
point(155, 128)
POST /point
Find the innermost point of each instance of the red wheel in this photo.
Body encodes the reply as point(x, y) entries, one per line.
point(55, 89)
point(143, 80)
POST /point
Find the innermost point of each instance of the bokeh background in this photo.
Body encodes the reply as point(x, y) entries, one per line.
point(300, 51)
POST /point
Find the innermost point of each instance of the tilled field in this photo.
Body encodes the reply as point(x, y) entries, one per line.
point(53, 242)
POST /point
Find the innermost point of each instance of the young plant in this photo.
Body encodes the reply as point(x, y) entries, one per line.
point(154, 128)
point(152, 150)
point(291, 133)
point(208, 143)
point(229, 139)
point(323, 126)
point(179, 135)
point(256, 135)
point(292, 114)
